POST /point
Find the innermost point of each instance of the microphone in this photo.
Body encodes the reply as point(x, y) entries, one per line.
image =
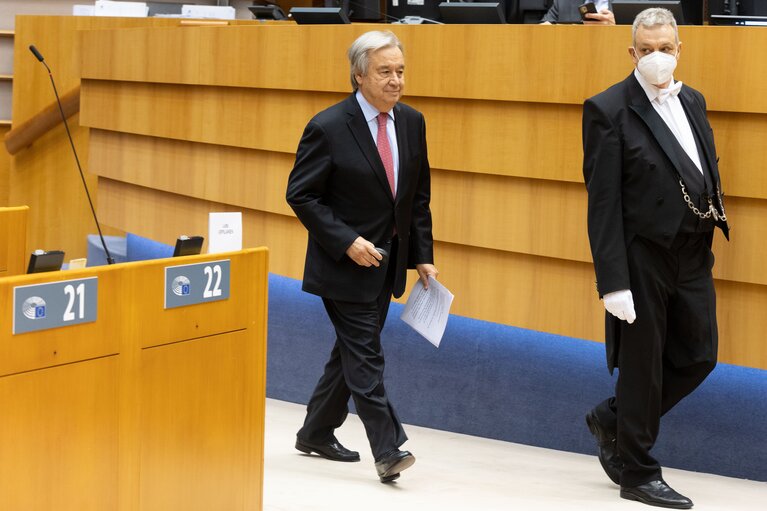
point(36, 53)
point(39, 57)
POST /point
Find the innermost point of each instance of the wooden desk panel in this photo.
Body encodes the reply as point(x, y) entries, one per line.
point(58, 438)
point(170, 417)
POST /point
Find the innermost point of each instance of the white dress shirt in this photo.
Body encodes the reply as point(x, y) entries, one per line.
point(601, 4)
point(371, 116)
point(666, 103)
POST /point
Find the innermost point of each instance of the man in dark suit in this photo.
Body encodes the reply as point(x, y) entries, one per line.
point(567, 11)
point(654, 199)
point(361, 186)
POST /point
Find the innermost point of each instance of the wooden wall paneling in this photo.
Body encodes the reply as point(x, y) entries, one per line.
point(13, 240)
point(47, 179)
point(5, 168)
point(528, 216)
point(533, 140)
point(446, 61)
point(163, 216)
point(253, 118)
point(742, 152)
point(740, 313)
point(528, 210)
point(233, 175)
point(741, 259)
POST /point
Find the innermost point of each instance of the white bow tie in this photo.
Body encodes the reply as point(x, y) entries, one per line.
point(672, 90)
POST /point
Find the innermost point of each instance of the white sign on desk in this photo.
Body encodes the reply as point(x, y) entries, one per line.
point(224, 232)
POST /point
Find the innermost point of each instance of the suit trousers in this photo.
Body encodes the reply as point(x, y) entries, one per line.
point(356, 369)
point(667, 352)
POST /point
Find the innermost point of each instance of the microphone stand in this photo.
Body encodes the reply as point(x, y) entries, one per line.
point(39, 57)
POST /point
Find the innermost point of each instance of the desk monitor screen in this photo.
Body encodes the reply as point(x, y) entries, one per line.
point(40, 261)
point(626, 10)
point(737, 8)
point(186, 245)
point(319, 15)
point(473, 13)
point(746, 21)
point(428, 9)
point(267, 12)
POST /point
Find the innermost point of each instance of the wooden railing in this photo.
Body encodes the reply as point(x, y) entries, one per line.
point(41, 123)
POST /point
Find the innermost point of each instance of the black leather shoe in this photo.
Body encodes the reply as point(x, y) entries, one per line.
point(391, 464)
point(331, 450)
point(656, 493)
point(608, 450)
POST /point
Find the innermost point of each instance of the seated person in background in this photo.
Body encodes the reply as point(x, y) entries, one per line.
point(566, 11)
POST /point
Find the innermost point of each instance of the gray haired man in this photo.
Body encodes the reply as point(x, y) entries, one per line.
point(654, 200)
point(361, 187)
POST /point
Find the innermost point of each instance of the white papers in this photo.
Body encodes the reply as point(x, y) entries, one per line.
point(83, 10)
point(427, 310)
point(124, 9)
point(208, 11)
point(224, 232)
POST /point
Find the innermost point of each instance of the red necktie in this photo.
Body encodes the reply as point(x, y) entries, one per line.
point(384, 150)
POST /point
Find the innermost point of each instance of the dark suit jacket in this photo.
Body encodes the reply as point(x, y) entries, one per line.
point(338, 189)
point(565, 11)
point(631, 173)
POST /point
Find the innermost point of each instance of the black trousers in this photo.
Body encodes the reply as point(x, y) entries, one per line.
point(356, 369)
point(667, 352)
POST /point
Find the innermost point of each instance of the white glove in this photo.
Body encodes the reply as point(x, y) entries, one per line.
point(621, 305)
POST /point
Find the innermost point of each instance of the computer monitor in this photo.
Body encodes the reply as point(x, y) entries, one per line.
point(188, 245)
point(472, 13)
point(267, 12)
point(428, 10)
point(737, 8)
point(626, 10)
point(41, 261)
point(745, 21)
point(319, 15)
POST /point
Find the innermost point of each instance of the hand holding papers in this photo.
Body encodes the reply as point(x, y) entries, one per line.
point(427, 310)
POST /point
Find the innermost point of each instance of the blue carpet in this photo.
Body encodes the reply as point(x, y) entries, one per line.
point(519, 385)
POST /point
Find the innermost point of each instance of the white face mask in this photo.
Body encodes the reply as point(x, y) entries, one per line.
point(657, 67)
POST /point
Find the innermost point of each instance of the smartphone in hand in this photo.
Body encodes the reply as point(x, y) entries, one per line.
point(587, 8)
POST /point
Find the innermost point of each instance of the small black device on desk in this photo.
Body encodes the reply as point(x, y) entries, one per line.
point(188, 245)
point(41, 261)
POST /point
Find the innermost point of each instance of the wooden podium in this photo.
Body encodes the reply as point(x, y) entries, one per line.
point(145, 408)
